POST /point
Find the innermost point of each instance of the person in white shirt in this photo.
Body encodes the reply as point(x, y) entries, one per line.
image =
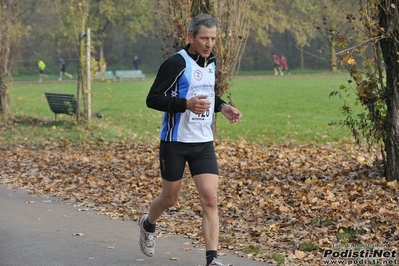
point(184, 89)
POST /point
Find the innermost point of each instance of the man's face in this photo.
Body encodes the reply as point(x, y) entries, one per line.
point(203, 43)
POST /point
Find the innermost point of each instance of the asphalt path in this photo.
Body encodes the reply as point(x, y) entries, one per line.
point(41, 231)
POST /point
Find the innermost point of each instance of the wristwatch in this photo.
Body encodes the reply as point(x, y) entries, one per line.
point(220, 107)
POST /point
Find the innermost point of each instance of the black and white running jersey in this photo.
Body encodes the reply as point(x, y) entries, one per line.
point(189, 127)
point(179, 78)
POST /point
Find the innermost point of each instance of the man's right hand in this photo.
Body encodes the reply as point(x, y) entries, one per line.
point(198, 104)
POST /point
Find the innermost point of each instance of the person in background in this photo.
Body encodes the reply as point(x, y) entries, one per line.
point(184, 89)
point(276, 66)
point(63, 70)
point(284, 65)
point(136, 62)
point(42, 66)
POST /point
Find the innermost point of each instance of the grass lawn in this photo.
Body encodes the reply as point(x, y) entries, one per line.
point(290, 108)
point(294, 108)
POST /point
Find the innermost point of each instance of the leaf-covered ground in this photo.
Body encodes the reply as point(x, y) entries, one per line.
point(275, 201)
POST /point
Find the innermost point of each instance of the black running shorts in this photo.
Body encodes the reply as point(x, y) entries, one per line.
point(201, 159)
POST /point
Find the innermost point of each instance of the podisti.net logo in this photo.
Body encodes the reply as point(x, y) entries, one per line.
point(360, 257)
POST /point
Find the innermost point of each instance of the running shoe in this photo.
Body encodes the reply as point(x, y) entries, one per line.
point(216, 262)
point(147, 239)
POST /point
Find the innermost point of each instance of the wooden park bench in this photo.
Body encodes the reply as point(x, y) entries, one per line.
point(61, 103)
point(129, 74)
point(106, 75)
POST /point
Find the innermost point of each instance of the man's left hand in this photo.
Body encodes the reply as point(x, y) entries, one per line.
point(231, 113)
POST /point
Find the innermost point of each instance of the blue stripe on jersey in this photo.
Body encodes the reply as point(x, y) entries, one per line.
point(183, 86)
point(171, 122)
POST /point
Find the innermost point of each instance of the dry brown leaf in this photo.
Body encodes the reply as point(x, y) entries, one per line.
point(299, 254)
point(274, 197)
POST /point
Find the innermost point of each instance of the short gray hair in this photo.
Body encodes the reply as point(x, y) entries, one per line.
point(201, 20)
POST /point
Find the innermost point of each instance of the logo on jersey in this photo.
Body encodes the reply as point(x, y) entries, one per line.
point(210, 70)
point(198, 75)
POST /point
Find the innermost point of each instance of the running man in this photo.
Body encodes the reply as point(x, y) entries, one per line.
point(41, 65)
point(284, 65)
point(276, 66)
point(63, 70)
point(184, 89)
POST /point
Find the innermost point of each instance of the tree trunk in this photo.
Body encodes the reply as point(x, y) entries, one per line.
point(7, 16)
point(82, 79)
point(389, 46)
point(81, 74)
point(4, 99)
point(392, 129)
point(333, 67)
point(88, 80)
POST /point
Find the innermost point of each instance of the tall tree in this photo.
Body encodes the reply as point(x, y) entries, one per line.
point(98, 15)
point(389, 29)
point(73, 31)
point(81, 12)
point(233, 29)
point(376, 89)
point(7, 16)
point(283, 16)
point(21, 31)
point(126, 16)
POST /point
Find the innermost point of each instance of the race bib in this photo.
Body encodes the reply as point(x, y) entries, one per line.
point(205, 116)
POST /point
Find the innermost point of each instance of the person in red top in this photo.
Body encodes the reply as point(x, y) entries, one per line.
point(284, 65)
point(276, 66)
